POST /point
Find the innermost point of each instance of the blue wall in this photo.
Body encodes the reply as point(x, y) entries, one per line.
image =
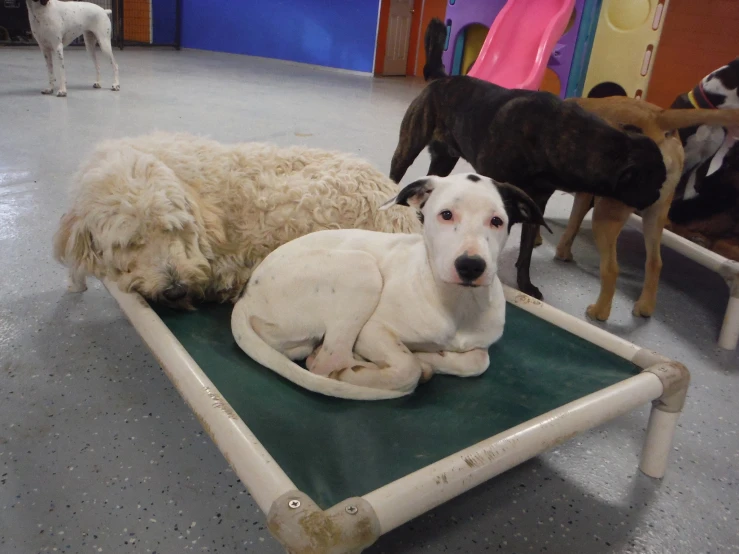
point(334, 33)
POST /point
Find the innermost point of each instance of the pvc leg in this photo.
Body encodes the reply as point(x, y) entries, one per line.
point(658, 443)
point(730, 329)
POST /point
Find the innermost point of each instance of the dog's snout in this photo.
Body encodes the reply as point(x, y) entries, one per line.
point(175, 292)
point(469, 268)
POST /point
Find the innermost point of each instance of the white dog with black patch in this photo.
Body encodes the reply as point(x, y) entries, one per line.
point(55, 24)
point(375, 313)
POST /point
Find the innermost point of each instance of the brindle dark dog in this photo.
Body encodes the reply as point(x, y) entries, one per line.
point(530, 139)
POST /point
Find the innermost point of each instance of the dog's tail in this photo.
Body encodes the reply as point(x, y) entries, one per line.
point(109, 12)
point(433, 43)
point(669, 120)
point(258, 350)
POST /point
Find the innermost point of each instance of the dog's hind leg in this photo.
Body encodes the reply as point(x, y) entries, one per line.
point(106, 49)
point(59, 52)
point(609, 217)
point(90, 42)
point(654, 219)
point(528, 240)
point(398, 369)
point(50, 68)
point(345, 302)
point(442, 160)
point(415, 133)
point(580, 207)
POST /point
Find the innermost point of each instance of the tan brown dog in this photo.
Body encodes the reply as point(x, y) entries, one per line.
point(610, 215)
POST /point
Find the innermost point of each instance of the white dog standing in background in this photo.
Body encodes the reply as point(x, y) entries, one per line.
point(55, 24)
point(406, 305)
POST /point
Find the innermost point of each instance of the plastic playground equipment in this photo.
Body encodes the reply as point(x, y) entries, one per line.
point(520, 42)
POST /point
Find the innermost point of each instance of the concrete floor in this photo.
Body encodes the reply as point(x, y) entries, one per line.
point(98, 453)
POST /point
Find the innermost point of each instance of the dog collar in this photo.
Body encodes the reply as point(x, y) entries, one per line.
point(699, 99)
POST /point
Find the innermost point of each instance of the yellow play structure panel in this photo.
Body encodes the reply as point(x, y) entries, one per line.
point(624, 47)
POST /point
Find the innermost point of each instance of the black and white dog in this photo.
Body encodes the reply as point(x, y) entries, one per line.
point(706, 147)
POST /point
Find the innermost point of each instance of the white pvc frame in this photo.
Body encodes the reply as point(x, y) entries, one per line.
point(662, 382)
point(726, 268)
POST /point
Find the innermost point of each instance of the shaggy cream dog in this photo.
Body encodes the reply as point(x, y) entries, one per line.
point(179, 218)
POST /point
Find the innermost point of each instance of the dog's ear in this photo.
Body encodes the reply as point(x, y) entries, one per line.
point(414, 194)
point(519, 206)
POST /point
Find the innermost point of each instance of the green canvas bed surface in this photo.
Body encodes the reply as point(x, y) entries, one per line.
point(333, 475)
point(333, 449)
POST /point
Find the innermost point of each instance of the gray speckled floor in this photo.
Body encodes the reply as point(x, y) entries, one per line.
point(98, 453)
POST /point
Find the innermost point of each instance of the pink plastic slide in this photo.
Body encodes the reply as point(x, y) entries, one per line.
point(520, 41)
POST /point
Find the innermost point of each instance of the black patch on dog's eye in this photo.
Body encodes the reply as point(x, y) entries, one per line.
point(632, 128)
point(473, 178)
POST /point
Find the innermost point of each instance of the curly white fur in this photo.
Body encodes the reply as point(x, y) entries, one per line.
point(179, 218)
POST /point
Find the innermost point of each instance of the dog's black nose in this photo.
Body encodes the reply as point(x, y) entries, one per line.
point(176, 292)
point(469, 268)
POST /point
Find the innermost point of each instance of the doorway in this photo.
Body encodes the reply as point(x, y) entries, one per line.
point(397, 37)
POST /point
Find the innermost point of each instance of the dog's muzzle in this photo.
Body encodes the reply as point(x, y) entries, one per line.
point(469, 268)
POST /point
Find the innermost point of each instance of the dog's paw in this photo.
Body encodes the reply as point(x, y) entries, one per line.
point(597, 313)
point(538, 241)
point(563, 254)
point(47, 91)
point(311, 360)
point(77, 287)
point(61, 94)
point(96, 85)
point(115, 88)
point(532, 291)
point(643, 309)
point(427, 372)
point(700, 240)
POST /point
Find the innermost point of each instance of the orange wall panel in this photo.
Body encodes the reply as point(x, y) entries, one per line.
point(698, 37)
point(137, 20)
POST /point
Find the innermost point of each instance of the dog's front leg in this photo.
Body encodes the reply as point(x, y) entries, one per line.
point(59, 53)
point(580, 208)
point(461, 364)
point(529, 232)
point(523, 264)
point(50, 68)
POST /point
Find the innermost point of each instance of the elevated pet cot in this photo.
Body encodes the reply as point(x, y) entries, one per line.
point(333, 475)
point(726, 268)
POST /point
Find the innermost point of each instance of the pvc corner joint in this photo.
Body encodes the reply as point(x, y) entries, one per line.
point(303, 528)
point(730, 272)
point(675, 379)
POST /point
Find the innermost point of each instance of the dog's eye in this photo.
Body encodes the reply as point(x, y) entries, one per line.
point(496, 221)
point(446, 215)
